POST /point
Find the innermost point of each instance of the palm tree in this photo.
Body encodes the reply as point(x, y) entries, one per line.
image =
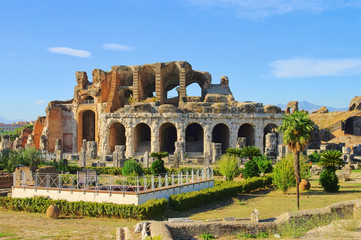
point(297, 131)
point(234, 151)
point(331, 159)
point(250, 152)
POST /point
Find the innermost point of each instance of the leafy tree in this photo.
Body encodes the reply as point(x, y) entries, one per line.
point(250, 169)
point(10, 159)
point(284, 174)
point(250, 152)
point(331, 159)
point(297, 131)
point(228, 166)
point(159, 155)
point(264, 163)
point(234, 151)
point(132, 168)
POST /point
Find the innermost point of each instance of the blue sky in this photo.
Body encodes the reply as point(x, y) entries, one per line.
point(273, 51)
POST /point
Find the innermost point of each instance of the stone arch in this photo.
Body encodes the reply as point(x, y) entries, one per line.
point(167, 137)
point(170, 79)
point(220, 134)
point(117, 135)
point(194, 138)
point(247, 130)
point(88, 128)
point(142, 138)
point(269, 128)
point(146, 82)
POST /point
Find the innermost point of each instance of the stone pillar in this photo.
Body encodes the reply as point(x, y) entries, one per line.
point(258, 137)
point(271, 144)
point(5, 142)
point(17, 144)
point(182, 87)
point(136, 85)
point(44, 144)
point(58, 150)
point(282, 151)
point(146, 160)
point(30, 142)
point(159, 84)
point(118, 155)
point(129, 132)
point(154, 139)
point(82, 154)
point(207, 140)
point(346, 155)
point(91, 149)
point(241, 142)
point(216, 151)
point(179, 148)
point(233, 135)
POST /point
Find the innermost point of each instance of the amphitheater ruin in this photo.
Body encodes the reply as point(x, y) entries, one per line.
point(128, 110)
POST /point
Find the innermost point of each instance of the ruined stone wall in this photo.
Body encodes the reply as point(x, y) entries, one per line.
point(38, 129)
point(55, 127)
point(181, 121)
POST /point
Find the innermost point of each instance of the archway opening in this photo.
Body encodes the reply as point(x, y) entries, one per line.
point(269, 128)
point(168, 137)
point(142, 138)
point(247, 131)
point(88, 125)
point(116, 135)
point(194, 89)
point(220, 134)
point(194, 138)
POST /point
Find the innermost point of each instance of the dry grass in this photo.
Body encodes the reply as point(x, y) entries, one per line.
point(270, 203)
point(22, 225)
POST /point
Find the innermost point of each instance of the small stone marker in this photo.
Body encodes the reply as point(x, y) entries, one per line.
point(138, 227)
point(53, 211)
point(255, 215)
point(229, 219)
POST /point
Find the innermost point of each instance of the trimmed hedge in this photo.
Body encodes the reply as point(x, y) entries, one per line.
point(149, 210)
point(221, 190)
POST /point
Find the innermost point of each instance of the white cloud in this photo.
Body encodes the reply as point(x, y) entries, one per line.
point(117, 47)
point(265, 8)
point(308, 67)
point(70, 51)
point(39, 102)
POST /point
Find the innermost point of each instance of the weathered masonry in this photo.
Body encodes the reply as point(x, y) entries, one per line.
point(132, 106)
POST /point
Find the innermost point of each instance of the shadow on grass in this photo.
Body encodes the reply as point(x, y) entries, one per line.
point(218, 205)
point(70, 217)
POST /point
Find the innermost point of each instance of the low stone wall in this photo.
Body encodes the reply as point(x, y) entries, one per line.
point(187, 230)
point(105, 196)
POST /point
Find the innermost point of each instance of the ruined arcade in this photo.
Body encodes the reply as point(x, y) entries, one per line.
point(130, 106)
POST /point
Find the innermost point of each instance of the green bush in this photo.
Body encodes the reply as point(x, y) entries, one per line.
point(250, 152)
point(284, 174)
point(331, 159)
point(315, 157)
point(149, 210)
point(158, 167)
point(228, 166)
point(264, 164)
point(132, 168)
point(10, 159)
point(329, 180)
point(206, 236)
point(221, 190)
point(251, 169)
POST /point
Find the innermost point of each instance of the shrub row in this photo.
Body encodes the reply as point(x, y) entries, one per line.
point(221, 190)
point(151, 209)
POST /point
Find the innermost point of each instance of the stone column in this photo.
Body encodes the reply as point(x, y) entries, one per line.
point(182, 87)
point(154, 140)
point(233, 135)
point(136, 85)
point(207, 133)
point(258, 136)
point(159, 84)
point(129, 131)
point(58, 150)
point(82, 154)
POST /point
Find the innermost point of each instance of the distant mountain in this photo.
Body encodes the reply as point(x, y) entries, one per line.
point(310, 107)
point(3, 120)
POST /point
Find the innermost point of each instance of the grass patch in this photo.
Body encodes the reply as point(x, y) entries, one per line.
point(249, 235)
point(2, 235)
